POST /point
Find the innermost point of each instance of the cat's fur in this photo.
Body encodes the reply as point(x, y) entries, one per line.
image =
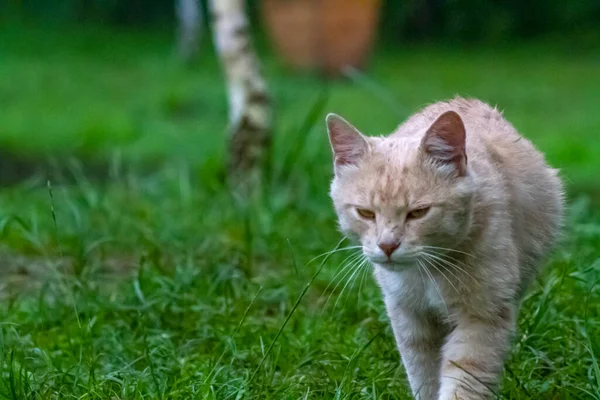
point(496, 210)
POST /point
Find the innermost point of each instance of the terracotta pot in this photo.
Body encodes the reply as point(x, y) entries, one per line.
point(322, 34)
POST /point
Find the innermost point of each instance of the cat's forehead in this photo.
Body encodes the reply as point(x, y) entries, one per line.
point(393, 175)
point(393, 154)
point(395, 145)
point(390, 184)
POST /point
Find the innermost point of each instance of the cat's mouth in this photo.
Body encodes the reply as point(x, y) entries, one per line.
point(387, 263)
point(406, 259)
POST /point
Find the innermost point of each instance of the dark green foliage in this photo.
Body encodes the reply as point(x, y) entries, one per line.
point(466, 20)
point(110, 12)
point(484, 20)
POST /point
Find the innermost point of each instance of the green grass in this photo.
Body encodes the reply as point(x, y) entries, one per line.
point(157, 283)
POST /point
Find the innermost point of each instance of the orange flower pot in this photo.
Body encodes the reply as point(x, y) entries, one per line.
point(326, 35)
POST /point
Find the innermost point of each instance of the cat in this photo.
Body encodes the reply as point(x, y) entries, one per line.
point(456, 211)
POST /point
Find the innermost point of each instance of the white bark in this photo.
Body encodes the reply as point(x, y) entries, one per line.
point(190, 27)
point(249, 103)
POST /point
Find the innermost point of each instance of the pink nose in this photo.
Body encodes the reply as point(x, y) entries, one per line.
point(389, 247)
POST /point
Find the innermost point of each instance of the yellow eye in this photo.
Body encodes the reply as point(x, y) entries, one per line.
point(418, 213)
point(366, 214)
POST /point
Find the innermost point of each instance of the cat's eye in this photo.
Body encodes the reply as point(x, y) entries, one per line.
point(366, 214)
point(418, 213)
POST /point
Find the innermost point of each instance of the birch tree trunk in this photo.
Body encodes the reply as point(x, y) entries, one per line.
point(249, 102)
point(190, 27)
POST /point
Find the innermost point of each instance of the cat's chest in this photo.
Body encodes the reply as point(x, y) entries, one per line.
point(410, 289)
point(433, 297)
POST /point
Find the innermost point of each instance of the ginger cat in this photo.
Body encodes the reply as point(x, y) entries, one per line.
point(455, 210)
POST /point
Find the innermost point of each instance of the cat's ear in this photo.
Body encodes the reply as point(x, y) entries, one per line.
point(444, 142)
point(348, 145)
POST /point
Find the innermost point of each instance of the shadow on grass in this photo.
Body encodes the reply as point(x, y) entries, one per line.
point(17, 168)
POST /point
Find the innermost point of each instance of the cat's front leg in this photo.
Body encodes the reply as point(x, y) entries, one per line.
point(419, 337)
point(474, 353)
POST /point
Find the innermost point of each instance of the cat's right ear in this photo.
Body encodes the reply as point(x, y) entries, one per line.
point(445, 142)
point(348, 145)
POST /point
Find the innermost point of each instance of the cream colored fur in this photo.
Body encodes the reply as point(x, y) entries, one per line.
point(453, 285)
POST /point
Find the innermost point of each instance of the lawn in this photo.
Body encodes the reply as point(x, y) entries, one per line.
point(129, 271)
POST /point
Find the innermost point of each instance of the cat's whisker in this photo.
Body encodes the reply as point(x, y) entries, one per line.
point(447, 257)
point(444, 266)
point(364, 275)
point(364, 268)
point(420, 271)
point(452, 265)
point(358, 268)
point(444, 255)
point(450, 250)
point(341, 269)
point(347, 269)
point(349, 273)
point(333, 252)
point(441, 272)
point(355, 276)
point(437, 288)
point(351, 279)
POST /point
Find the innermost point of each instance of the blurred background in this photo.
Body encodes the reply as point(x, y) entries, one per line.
point(129, 267)
point(91, 78)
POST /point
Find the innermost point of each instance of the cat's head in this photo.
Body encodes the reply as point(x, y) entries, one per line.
point(400, 196)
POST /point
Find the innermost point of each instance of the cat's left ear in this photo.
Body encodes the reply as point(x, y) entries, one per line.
point(348, 145)
point(445, 140)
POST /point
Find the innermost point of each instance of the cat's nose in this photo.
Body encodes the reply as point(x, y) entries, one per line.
point(388, 247)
